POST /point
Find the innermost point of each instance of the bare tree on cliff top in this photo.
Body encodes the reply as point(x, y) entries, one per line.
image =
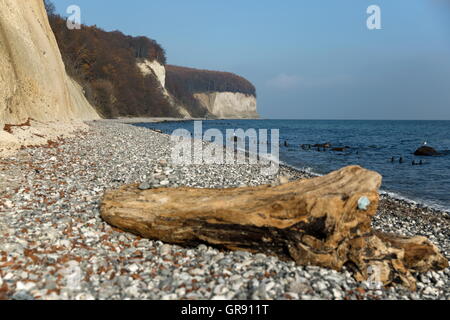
point(50, 7)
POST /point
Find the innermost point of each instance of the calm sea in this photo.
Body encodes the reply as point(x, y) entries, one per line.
point(372, 145)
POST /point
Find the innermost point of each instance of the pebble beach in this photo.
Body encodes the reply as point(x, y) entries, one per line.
point(54, 244)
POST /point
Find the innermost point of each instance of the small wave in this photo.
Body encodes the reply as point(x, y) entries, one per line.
point(362, 145)
point(416, 202)
point(307, 170)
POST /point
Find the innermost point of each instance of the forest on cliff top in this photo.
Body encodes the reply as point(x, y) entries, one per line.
point(105, 65)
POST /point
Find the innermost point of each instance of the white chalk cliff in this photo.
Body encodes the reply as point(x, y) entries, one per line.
point(229, 105)
point(33, 80)
point(223, 105)
point(148, 67)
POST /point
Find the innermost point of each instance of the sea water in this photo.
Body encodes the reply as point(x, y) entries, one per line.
point(372, 145)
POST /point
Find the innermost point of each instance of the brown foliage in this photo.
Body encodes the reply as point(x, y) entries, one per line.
point(104, 63)
point(196, 80)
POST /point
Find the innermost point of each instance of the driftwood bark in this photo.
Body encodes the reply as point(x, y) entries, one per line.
point(325, 221)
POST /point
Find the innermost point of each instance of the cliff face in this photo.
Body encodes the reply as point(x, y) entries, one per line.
point(154, 68)
point(223, 105)
point(131, 77)
point(34, 83)
point(229, 105)
point(158, 71)
point(212, 93)
point(33, 80)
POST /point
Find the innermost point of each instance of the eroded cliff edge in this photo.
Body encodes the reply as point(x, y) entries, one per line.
point(126, 76)
point(217, 94)
point(229, 105)
point(33, 80)
point(36, 84)
point(203, 93)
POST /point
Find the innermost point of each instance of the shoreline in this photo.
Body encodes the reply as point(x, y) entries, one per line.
point(392, 194)
point(54, 245)
point(135, 120)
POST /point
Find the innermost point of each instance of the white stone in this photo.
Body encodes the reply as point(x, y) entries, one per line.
point(8, 204)
point(85, 297)
point(431, 291)
point(269, 286)
point(9, 276)
point(172, 296)
point(320, 286)
point(132, 291)
point(65, 243)
point(440, 284)
point(165, 250)
point(197, 272)
point(25, 286)
point(336, 294)
point(133, 268)
point(164, 183)
point(33, 82)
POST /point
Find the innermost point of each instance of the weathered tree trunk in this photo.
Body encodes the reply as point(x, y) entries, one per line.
point(325, 221)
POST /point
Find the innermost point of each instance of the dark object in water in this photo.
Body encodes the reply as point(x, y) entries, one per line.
point(286, 144)
point(393, 159)
point(401, 160)
point(323, 145)
point(426, 152)
point(306, 146)
point(340, 149)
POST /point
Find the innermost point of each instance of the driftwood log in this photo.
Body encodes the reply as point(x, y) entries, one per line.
point(325, 221)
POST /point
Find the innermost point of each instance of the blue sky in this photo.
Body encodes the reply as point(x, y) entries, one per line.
point(308, 59)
